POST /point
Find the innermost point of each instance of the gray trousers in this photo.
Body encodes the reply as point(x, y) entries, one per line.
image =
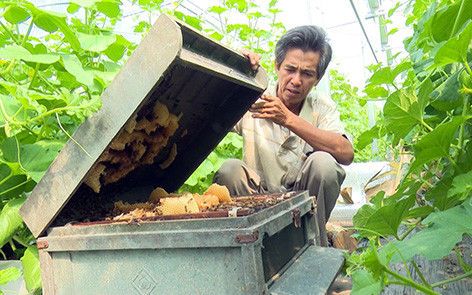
point(320, 174)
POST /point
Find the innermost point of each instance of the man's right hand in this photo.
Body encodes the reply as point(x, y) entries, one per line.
point(254, 58)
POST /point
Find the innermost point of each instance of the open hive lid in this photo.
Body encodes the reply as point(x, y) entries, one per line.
point(175, 98)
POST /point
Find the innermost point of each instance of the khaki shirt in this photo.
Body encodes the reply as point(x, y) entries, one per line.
point(277, 154)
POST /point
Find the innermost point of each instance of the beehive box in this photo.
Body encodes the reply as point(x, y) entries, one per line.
point(201, 88)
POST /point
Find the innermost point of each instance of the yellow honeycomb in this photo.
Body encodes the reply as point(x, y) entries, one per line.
point(220, 191)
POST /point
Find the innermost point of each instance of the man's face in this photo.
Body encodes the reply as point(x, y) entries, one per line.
point(297, 75)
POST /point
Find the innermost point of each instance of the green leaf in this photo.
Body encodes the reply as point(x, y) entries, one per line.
point(391, 11)
point(15, 184)
point(95, 43)
point(23, 95)
point(110, 8)
point(9, 149)
point(192, 180)
point(191, 20)
point(74, 66)
point(19, 52)
point(363, 283)
point(116, 50)
point(8, 107)
point(424, 93)
point(217, 36)
point(82, 107)
point(448, 21)
point(36, 49)
point(461, 186)
point(10, 220)
point(31, 269)
point(361, 218)
point(36, 158)
point(9, 275)
point(367, 137)
point(4, 171)
point(386, 220)
point(446, 96)
point(422, 212)
point(15, 14)
point(51, 22)
point(436, 144)
point(402, 112)
point(375, 91)
point(84, 3)
point(205, 169)
point(46, 22)
point(382, 76)
point(387, 75)
point(444, 231)
point(72, 8)
point(217, 9)
point(455, 49)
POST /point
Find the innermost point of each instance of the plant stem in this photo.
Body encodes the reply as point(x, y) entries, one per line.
point(452, 161)
point(9, 33)
point(27, 33)
point(20, 241)
point(29, 129)
point(462, 127)
point(399, 283)
point(410, 282)
point(5, 179)
point(388, 240)
point(15, 187)
point(3, 254)
point(468, 68)
point(426, 125)
point(12, 245)
point(33, 79)
point(50, 112)
point(466, 275)
point(19, 154)
point(40, 135)
point(54, 89)
point(420, 274)
point(456, 22)
point(4, 112)
point(464, 265)
point(18, 112)
point(67, 133)
point(12, 63)
point(410, 230)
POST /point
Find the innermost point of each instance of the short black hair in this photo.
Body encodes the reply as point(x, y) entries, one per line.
point(306, 38)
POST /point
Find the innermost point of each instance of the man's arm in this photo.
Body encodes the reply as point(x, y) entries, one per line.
point(321, 140)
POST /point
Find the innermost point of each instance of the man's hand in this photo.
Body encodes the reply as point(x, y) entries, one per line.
point(254, 58)
point(272, 108)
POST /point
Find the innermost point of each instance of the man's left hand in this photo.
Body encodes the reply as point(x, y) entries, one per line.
point(272, 108)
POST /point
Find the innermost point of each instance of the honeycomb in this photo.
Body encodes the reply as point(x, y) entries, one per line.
point(138, 144)
point(162, 203)
point(178, 205)
point(220, 191)
point(206, 201)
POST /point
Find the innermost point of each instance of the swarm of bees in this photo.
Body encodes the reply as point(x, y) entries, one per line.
point(138, 144)
point(162, 203)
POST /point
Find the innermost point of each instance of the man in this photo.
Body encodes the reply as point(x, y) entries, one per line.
point(293, 138)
